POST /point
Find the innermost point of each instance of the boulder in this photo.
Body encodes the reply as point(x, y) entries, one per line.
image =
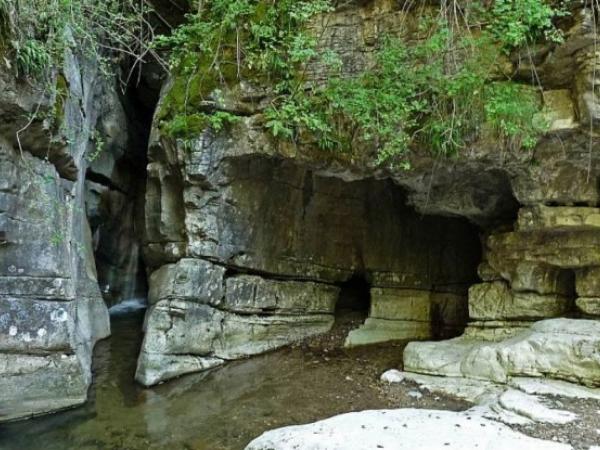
point(401, 429)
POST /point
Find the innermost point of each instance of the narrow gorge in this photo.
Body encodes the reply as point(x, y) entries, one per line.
point(378, 220)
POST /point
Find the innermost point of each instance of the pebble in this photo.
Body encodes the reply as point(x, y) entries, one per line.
point(415, 394)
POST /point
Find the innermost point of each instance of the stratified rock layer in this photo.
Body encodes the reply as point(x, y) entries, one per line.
point(267, 243)
point(565, 349)
point(51, 310)
point(263, 213)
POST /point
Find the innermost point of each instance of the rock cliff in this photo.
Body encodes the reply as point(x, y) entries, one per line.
point(67, 230)
point(247, 241)
point(51, 311)
point(239, 224)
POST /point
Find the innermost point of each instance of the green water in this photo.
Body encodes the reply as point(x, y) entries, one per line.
point(224, 409)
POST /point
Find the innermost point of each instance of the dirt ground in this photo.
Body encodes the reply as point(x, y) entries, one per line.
point(581, 434)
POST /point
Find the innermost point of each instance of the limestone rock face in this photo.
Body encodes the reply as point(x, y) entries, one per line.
point(527, 276)
point(240, 226)
point(279, 237)
point(588, 282)
point(564, 349)
point(245, 294)
point(201, 316)
point(551, 255)
point(234, 225)
point(51, 310)
point(399, 314)
point(558, 218)
point(494, 301)
point(188, 280)
point(185, 337)
point(589, 305)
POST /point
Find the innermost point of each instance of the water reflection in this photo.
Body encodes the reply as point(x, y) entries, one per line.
point(223, 409)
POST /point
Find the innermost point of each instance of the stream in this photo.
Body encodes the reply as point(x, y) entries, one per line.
point(220, 410)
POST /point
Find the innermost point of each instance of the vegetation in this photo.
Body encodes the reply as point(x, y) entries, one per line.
point(35, 36)
point(441, 91)
point(518, 22)
point(36, 33)
point(226, 40)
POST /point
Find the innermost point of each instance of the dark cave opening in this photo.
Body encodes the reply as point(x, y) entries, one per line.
point(567, 277)
point(115, 193)
point(353, 305)
point(355, 295)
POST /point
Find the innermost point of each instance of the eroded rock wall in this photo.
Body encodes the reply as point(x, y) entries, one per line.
point(235, 218)
point(51, 310)
point(257, 246)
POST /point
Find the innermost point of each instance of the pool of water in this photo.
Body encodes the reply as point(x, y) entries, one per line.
point(220, 410)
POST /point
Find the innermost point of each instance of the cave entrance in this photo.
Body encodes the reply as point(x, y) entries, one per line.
point(355, 295)
point(353, 304)
point(567, 277)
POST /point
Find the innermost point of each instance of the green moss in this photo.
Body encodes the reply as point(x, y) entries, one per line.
point(182, 126)
point(189, 94)
point(186, 95)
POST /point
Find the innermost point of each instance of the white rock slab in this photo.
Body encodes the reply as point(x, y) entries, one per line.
point(554, 387)
point(564, 349)
point(402, 429)
point(467, 389)
point(530, 406)
point(494, 401)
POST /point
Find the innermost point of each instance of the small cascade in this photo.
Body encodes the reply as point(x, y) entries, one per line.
point(128, 306)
